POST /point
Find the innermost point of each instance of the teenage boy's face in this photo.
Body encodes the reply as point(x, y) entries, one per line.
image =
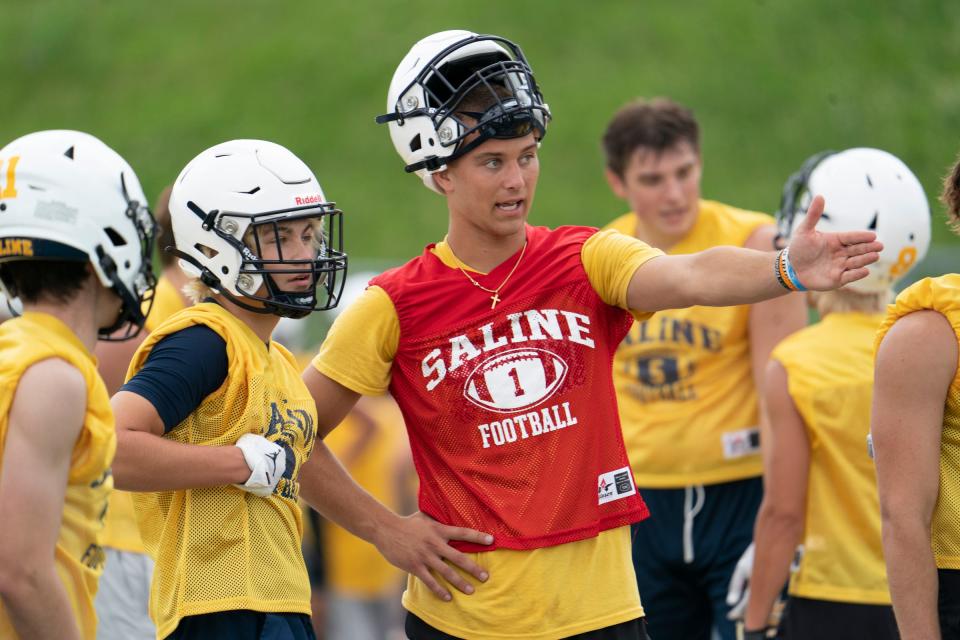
point(492, 187)
point(662, 189)
point(293, 240)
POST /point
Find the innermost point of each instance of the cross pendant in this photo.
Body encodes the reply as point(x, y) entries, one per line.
point(495, 299)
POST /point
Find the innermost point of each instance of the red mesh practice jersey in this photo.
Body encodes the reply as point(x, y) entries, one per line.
point(511, 411)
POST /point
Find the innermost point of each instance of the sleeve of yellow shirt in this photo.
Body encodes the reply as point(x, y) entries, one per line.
point(610, 259)
point(359, 349)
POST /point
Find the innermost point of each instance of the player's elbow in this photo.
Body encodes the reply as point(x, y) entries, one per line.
point(124, 468)
point(20, 575)
point(783, 520)
point(902, 521)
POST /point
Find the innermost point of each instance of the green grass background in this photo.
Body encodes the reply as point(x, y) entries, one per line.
point(771, 82)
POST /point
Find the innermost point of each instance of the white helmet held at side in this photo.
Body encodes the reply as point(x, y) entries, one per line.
point(67, 196)
point(248, 185)
point(865, 189)
point(427, 125)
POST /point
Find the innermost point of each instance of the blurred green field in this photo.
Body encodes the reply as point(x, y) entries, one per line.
point(771, 82)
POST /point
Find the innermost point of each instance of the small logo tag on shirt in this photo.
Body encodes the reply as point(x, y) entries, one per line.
point(614, 485)
point(745, 442)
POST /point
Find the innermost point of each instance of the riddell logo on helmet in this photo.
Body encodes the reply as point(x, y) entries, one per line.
point(314, 199)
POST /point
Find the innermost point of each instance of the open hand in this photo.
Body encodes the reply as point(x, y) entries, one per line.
point(825, 261)
point(418, 544)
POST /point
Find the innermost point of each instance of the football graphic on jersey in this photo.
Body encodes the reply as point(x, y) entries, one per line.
point(515, 380)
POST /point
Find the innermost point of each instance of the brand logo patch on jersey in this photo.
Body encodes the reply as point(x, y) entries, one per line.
point(614, 485)
point(515, 380)
point(744, 442)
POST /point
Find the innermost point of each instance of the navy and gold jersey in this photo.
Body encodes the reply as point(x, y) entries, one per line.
point(257, 563)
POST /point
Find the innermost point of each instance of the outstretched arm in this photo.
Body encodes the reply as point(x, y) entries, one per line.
point(417, 544)
point(35, 467)
point(915, 364)
point(726, 276)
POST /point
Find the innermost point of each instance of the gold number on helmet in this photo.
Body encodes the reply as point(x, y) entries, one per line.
point(10, 190)
point(908, 255)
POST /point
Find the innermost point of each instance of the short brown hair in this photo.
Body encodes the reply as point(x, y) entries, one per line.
point(34, 281)
point(161, 212)
point(656, 124)
point(481, 97)
point(951, 195)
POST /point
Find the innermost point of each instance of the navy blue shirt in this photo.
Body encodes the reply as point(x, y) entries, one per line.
point(181, 371)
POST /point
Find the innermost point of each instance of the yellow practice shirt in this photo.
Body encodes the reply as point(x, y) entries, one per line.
point(120, 530)
point(221, 548)
point(830, 377)
point(940, 294)
point(543, 593)
point(78, 555)
point(684, 377)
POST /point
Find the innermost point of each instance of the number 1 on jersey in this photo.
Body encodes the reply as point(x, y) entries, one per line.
point(516, 382)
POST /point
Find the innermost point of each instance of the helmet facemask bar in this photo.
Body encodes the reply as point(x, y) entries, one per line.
point(136, 303)
point(257, 277)
point(793, 191)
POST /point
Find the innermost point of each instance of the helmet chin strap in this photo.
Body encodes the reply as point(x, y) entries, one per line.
point(130, 313)
point(208, 278)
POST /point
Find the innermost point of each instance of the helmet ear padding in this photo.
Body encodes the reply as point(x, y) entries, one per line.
point(864, 189)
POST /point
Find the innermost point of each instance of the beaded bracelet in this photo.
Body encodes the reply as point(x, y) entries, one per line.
point(777, 271)
point(786, 275)
point(791, 274)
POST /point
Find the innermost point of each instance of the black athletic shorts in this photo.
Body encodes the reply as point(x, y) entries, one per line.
point(636, 629)
point(244, 625)
point(948, 603)
point(808, 619)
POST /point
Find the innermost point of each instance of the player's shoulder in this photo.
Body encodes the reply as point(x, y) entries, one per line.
point(55, 372)
point(37, 381)
point(941, 293)
point(730, 213)
point(626, 223)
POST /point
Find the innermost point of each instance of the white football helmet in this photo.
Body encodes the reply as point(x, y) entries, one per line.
point(865, 189)
point(247, 184)
point(73, 198)
point(426, 126)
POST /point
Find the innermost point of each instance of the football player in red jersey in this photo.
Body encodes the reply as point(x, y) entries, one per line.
point(496, 343)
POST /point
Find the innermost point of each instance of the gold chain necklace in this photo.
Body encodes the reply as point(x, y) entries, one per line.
point(495, 298)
